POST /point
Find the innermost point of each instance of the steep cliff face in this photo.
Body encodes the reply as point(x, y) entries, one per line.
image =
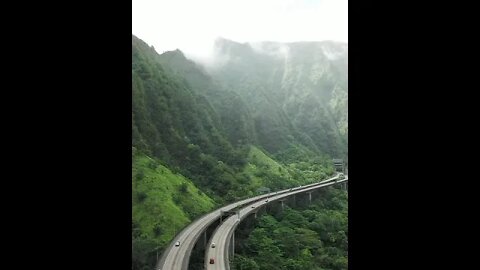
point(295, 91)
point(231, 109)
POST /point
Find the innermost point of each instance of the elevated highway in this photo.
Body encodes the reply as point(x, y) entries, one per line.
point(178, 258)
point(224, 237)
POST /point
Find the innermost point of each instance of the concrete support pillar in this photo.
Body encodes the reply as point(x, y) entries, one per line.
point(283, 205)
point(233, 244)
point(310, 197)
point(205, 238)
point(255, 214)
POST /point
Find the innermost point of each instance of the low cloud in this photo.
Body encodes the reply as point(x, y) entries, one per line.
point(274, 49)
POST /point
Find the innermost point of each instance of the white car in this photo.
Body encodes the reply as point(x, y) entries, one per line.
point(177, 243)
point(213, 245)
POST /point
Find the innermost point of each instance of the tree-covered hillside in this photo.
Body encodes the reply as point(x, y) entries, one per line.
point(181, 116)
point(297, 92)
point(313, 237)
point(199, 142)
point(163, 202)
point(178, 126)
point(233, 112)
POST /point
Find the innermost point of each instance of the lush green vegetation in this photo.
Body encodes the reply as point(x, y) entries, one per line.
point(201, 141)
point(263, 170)
point(163, 202)
point(297, 92)
point(313, 238)
point(197, 128)
point(178, 126)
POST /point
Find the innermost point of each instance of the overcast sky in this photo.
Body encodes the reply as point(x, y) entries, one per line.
point(193, 25)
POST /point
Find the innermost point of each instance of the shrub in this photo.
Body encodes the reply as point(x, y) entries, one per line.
point(141, 196)
point(140, 175)
point(183, 188)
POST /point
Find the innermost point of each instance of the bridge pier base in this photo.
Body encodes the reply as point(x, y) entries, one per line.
point(309, 197)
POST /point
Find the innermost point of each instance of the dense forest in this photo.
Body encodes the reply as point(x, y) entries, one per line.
point(200, 140)
point(312, 237)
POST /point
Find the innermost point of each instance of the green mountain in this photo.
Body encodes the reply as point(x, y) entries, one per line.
point(178, 126)
point(163, 203)
point(233, 112)
point(296, 92)
point(203, 136)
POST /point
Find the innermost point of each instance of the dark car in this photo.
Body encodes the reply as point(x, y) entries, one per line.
point(212, 261)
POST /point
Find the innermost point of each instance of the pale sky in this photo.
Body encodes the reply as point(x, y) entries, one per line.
point(193, 25)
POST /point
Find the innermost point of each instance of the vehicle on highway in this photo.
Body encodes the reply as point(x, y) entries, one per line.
point(212, 261)
point(253, 206)
point(177, 243)
point(213, 245)
point(266, 200)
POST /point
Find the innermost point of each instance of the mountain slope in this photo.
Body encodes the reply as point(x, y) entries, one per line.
point(233, 112)
point(200, 142)
point(163, 202)
point(179, 126)
point(297, 92)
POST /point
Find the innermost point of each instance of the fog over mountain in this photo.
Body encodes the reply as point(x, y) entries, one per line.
point(300, 86)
